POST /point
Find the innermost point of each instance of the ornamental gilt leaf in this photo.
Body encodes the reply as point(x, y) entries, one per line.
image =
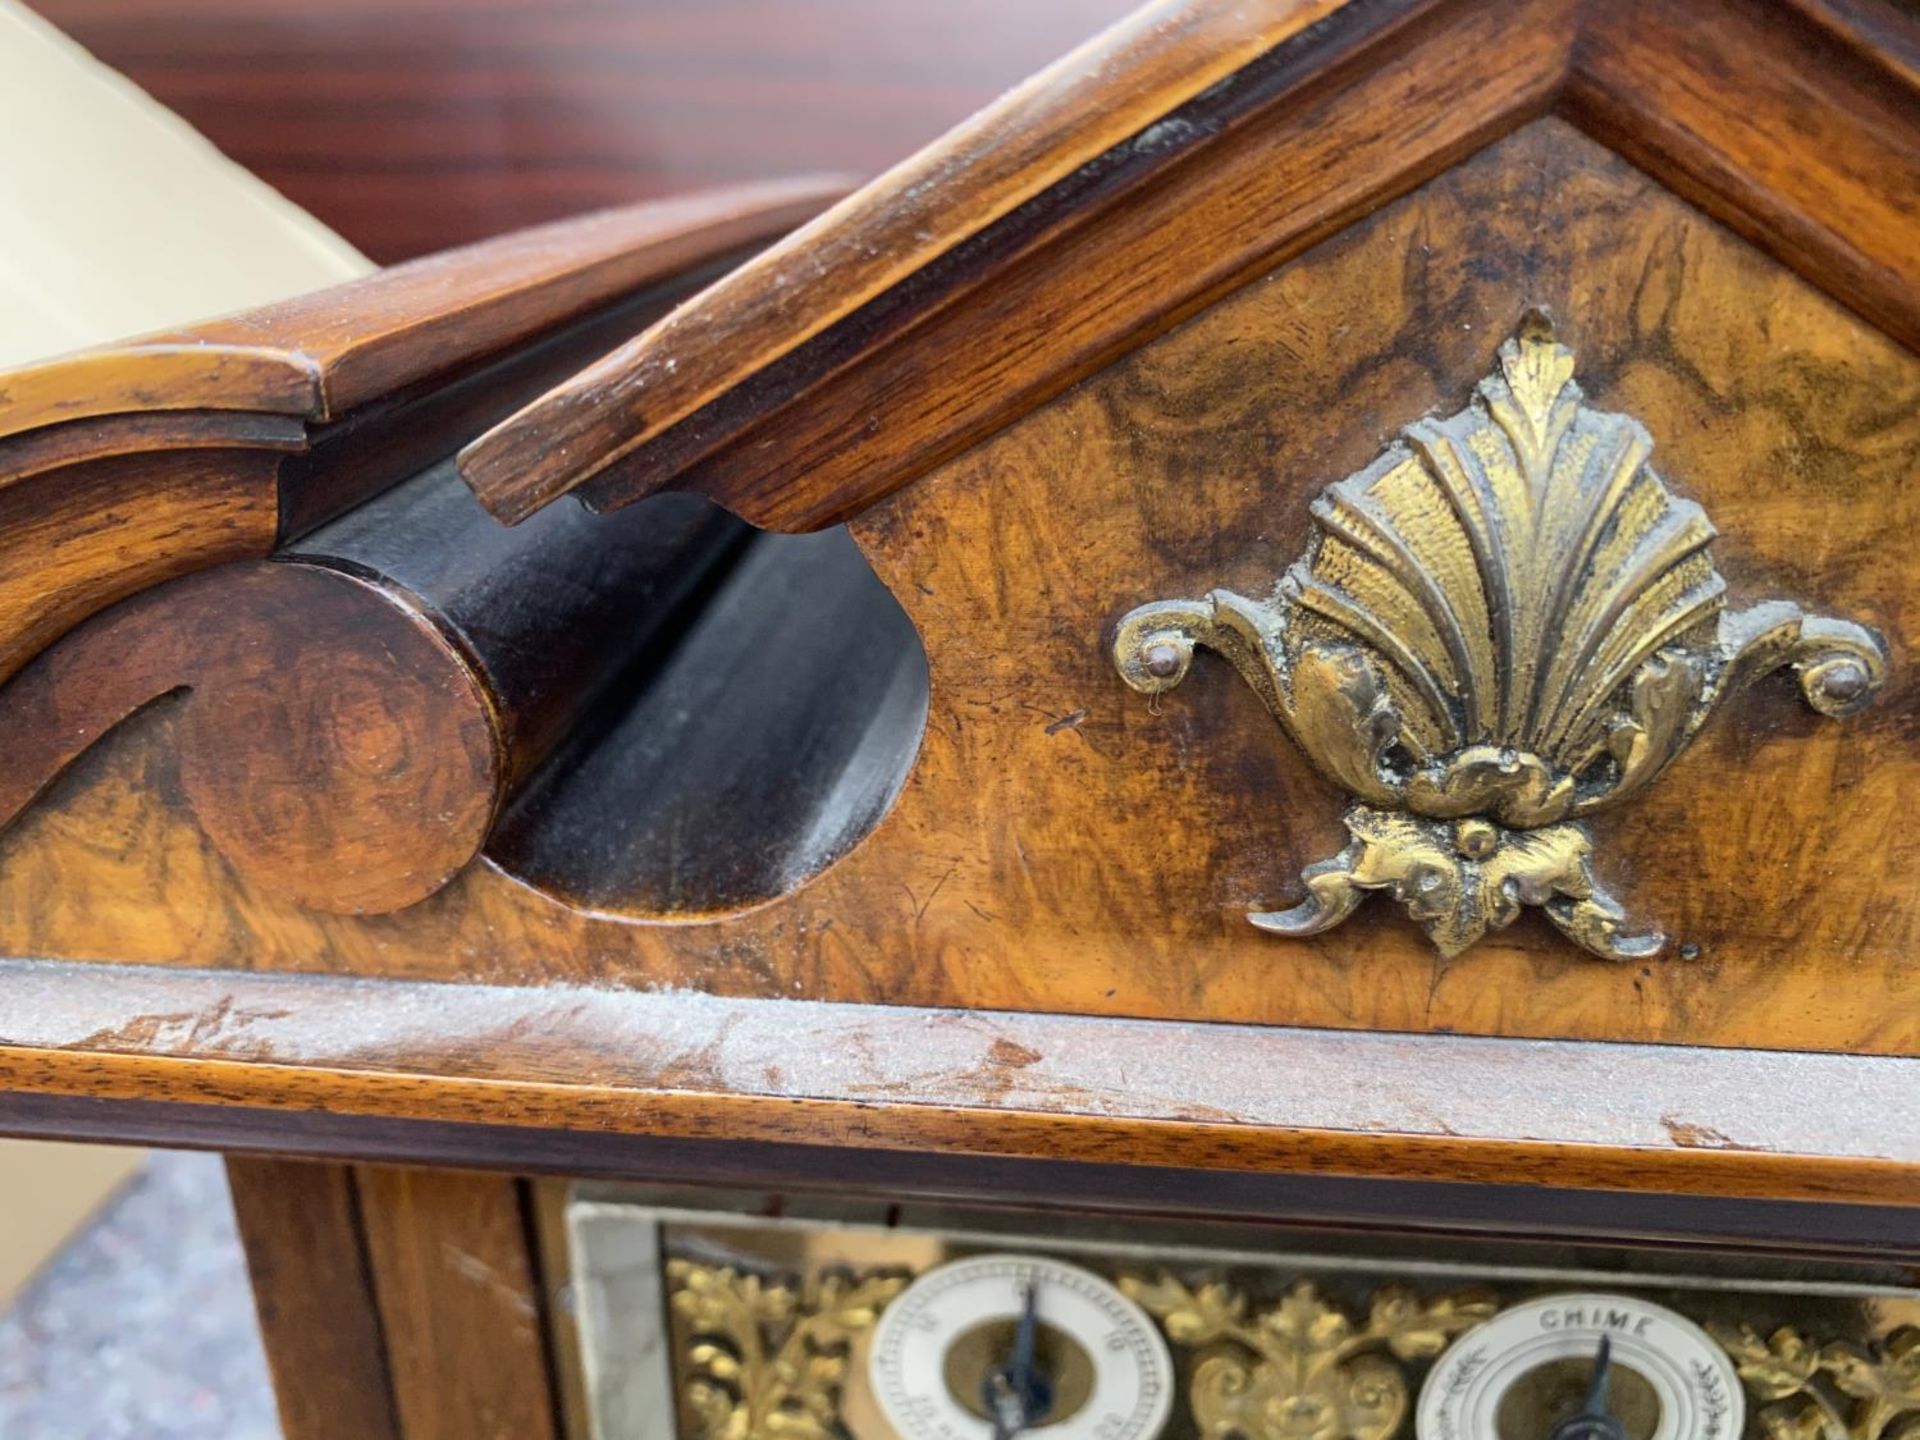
point(1505, 623)
point(768, 1360)
point(1834, 1392)
point(1302, 1368)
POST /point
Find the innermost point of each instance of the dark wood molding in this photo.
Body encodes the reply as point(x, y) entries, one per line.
point(1438, 1208)
point(1804, 143)
point(1066, 117)
point(1360, 130)
point(1149, 94)
point(94, 511)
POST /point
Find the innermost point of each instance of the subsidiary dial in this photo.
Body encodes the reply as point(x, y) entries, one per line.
point(1001, 1346)
point(1583, 1367)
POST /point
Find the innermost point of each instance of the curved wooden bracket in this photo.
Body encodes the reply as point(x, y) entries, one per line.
point(126, 466)
point(92, 512)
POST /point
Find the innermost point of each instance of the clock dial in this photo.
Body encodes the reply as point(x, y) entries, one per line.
point(1530, 1372)
point(1006, 1345)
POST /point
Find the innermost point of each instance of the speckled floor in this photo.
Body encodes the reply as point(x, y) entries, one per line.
point(143, 1328)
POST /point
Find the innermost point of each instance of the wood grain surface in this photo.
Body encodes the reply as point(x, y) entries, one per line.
point(94, 511)
point(826, 1080)
point(319, 1322)
point(358, 711)
point(1804, 137)
point(1191, 465)
point(1060, 846)
point(459, 1304)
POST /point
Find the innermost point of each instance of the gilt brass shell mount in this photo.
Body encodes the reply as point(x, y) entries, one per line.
point(1502, 625)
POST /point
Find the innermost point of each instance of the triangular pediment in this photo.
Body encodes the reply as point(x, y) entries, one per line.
point(1186, 150)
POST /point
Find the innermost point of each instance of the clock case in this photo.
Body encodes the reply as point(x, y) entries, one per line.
point(712, 1306)
point(785, 819)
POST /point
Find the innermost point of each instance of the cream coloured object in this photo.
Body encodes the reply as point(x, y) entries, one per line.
point(116, 217)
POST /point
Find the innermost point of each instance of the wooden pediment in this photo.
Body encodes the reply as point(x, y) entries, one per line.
point(1170, 159)
point(1154, 372)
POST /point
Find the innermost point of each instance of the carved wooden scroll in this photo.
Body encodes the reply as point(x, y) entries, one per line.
point(358, 710)
point(1502, 625)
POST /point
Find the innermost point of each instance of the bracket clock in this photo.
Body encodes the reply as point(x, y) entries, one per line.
point(1232, 758)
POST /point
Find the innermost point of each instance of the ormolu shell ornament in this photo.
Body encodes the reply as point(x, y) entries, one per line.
point(1506, 622)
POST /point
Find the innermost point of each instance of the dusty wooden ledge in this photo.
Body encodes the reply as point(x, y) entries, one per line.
point(1223, 1098)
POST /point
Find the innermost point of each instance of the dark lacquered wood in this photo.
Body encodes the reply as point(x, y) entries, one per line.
point(356, 712)
point(416, 125)
point(756, 749)
point(312, 1285)
point(551, 614)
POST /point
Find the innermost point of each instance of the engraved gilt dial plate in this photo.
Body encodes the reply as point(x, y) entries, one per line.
point(829, 1326)
point(1112, 1375)
point(1516, 1376)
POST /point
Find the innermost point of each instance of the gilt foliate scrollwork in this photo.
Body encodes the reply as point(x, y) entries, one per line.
point(1839, 1391)
point(1301, 1368)
point(767, 1359)
point(1504, 624)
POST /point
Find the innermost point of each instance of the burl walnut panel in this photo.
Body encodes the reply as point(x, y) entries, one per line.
point(1780, 855)
point(1063, 846)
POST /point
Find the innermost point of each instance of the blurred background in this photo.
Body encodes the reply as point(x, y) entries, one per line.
point(411, 125)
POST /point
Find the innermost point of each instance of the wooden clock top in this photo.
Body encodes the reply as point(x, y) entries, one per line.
point(1524, 398)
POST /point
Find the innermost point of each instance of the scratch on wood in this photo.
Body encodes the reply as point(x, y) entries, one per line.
point(921, 913)
point(1700, 1137)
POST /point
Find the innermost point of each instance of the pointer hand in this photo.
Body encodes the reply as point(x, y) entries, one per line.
point(1017, 1393)
point(1596, 1420)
